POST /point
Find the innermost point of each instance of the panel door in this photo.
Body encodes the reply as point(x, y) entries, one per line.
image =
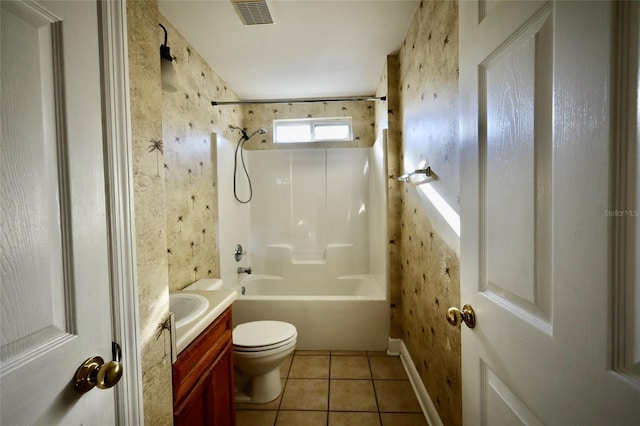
point(536, 134)
point(55, 304)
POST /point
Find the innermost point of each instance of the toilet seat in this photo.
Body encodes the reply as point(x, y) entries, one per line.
point(265, 350)
point(260, 336)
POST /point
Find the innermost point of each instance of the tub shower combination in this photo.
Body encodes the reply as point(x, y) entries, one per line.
point(343, 313)
point(317, 247)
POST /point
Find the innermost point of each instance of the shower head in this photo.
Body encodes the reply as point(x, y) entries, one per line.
point(260, 131)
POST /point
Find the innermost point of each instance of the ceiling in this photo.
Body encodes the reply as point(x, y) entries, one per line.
point(314, 49)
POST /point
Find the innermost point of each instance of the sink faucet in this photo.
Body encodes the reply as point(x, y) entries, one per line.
point(242, 270)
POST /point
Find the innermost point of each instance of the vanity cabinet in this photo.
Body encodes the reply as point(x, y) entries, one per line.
point(203, 390)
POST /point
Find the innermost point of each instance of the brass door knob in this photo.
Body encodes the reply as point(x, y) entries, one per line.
point(94, 372)
point(108, 375)
point(456, 317)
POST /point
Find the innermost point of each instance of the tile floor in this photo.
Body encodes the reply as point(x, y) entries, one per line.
point(338, 388)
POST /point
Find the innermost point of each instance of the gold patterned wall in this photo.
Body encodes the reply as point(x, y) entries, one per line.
point(262, 115)
point(188, 121)
point(149, 203)
point(174, 185)
point(388, 117)
point(429, 263)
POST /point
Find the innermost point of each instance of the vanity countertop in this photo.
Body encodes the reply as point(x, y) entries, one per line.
point(219, 300)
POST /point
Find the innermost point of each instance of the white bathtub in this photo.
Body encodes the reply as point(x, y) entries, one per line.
point(345, 313)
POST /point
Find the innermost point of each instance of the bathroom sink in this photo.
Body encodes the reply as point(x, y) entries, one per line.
point(187, 307)
point(207, 284)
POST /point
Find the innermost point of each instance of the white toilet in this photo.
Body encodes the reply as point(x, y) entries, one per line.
point(259, 347)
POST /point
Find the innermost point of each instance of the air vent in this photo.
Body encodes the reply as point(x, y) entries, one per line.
point(253, 12)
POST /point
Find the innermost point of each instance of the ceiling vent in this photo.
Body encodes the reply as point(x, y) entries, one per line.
point(253, 12)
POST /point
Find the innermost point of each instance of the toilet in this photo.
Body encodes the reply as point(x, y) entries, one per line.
point(259, 348)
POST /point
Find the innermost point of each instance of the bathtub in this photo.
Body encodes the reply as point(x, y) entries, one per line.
point(344, 313)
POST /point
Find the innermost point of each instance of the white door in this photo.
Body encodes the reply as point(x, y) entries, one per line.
point(537, 250)
point(54, 261)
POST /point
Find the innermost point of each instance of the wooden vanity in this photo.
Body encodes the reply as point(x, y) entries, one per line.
point(203, 392)
point(203, 387)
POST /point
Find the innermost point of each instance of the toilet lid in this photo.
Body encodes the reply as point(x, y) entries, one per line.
point(262, 333)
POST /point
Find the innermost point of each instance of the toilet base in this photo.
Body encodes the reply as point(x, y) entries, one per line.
point(260, 389)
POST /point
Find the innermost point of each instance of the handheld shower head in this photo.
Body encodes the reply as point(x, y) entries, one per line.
point(240, 147)
point(260, 131)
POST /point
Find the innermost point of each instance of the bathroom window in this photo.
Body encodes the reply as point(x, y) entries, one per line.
point(302, 130)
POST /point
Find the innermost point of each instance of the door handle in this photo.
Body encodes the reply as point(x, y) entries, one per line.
point(94, 372)
point(456, 317)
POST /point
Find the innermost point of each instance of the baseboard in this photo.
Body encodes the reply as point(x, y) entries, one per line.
point(393, 346)
point(428, 408)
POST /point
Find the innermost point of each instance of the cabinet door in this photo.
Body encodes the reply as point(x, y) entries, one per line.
point(194, 408)
point(222, 389)
point(204, 392)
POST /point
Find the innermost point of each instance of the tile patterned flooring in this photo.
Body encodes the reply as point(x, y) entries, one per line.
point(335, 388)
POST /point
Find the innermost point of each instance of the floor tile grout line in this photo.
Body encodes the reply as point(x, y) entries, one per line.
point(286, 380)
point(329, 389)
point(373, 384)
point(328, 411)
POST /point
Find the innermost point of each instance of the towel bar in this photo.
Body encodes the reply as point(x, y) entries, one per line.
point(405, 177)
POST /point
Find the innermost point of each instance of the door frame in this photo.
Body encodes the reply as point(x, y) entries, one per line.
point(626, 142)
point(112, 21)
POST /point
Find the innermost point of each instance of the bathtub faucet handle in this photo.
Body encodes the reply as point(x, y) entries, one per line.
point(242, 270)
point(238, 252)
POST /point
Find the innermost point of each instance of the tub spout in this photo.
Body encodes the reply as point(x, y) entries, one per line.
point(244, 270)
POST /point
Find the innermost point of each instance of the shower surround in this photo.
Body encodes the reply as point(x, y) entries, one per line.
point(316, 244)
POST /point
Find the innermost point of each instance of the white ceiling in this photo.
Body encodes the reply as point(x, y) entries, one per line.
point(314, 49)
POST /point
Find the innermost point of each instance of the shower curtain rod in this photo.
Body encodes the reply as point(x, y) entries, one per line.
point(300, 101)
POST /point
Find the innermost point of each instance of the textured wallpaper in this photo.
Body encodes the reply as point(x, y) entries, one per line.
point(188, 121)
point(149, 203)
point(429, 263)
point(388, 117)
point(262, 115)
point(174, 185)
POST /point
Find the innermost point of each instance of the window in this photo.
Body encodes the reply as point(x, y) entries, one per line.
point(312, 130)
